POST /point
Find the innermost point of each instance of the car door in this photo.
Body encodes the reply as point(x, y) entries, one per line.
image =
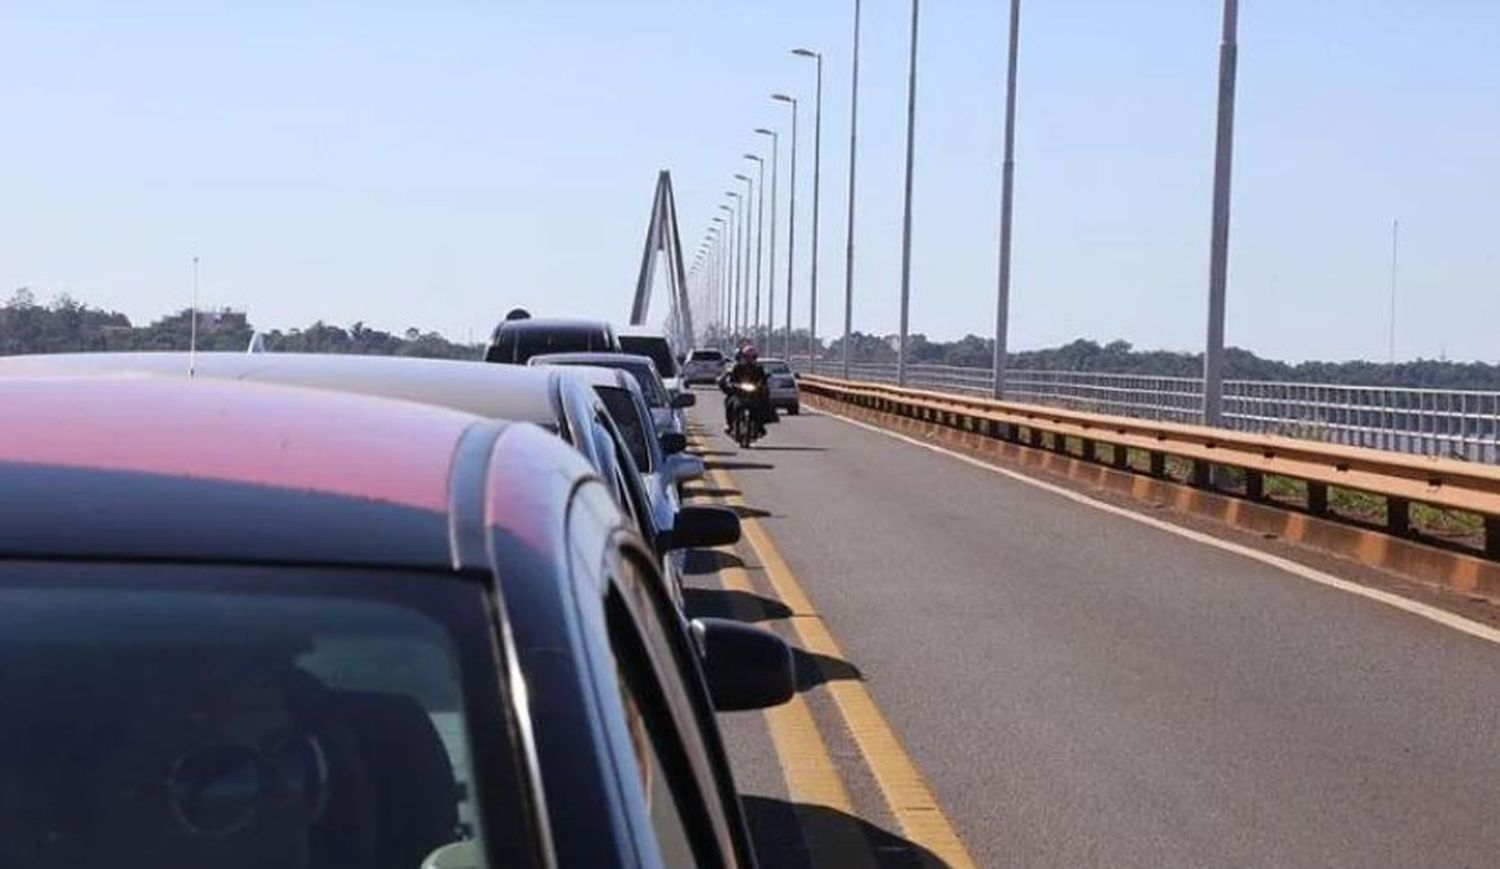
point(677, 798)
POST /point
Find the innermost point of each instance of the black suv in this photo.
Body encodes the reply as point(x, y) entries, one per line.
point(516, 341)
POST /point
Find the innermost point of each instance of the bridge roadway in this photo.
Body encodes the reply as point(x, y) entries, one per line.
point(1075, 687)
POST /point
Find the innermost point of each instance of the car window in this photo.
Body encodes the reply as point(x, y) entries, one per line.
point(706, 356)
point(624, 411)
point(656, 347)
point(670, 795)
point(212, 721)
point(777, 368)
point(651, 385)
point(518, 345)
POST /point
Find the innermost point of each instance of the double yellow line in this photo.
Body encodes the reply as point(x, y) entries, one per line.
point(806, 764)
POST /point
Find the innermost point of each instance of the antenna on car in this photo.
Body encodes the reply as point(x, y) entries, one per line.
point(193, 325)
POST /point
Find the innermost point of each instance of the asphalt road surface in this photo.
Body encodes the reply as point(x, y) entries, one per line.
point(1081, 689)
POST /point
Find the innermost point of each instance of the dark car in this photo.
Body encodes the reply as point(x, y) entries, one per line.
point(515, 341)
point(255, 626)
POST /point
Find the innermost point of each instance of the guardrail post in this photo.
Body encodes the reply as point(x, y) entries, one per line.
point(1492, 537)
point(1398, 516)
point(1158, 464)
point(1255, 485)
point(1317, 498)
point(1090, 450)
point(1121, 458)
point(1203, 474)
point(1035, 436)
point(1059, 444)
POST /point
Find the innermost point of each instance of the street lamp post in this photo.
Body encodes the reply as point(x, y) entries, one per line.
point(812, 319)
point(1007, 199)
point(791, 228)
point(732, 242)
point(849, 245)
point(760, 221)
point(720, 272)
point(911, 127)
point(1218, 266)
point(771, 259)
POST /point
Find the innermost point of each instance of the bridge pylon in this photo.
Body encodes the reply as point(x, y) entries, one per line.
point(662, 238)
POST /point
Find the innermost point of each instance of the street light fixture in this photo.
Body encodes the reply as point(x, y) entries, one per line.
point(812, 318)
point(771, 258)
point(791, 229)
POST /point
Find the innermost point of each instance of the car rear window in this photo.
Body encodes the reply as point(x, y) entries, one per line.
point(622, 409)
point(655, 347)
point(518, 345)
point(776, 367)
point(706, 356)
point(242, 718)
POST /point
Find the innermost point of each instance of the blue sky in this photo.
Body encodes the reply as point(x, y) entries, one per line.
point(433, 164)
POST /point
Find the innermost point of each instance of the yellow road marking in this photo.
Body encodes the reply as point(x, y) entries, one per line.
point(905, 791)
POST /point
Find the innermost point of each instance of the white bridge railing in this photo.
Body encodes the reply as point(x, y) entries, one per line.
point(1454, 423)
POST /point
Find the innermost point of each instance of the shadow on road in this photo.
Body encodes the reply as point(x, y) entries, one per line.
point(732, 604)
point(745, 512)
point(814, 669)
point(709, 492)
point(700, 562)
point(777, 830)
point(739, 466)
point(772, 448)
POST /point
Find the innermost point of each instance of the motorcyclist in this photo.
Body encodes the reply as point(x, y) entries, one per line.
point(747, 369)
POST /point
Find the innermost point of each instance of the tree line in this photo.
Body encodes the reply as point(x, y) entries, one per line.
point(65, 325)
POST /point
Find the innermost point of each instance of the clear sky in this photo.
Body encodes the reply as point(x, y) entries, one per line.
point(434, 163)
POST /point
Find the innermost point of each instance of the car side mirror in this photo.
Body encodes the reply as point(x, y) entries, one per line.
point(746, 667)
point(700, 527)
point(672, 442)
point(684, 399)
point(681, 468)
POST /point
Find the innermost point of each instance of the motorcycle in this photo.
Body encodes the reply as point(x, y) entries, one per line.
point(745, 429)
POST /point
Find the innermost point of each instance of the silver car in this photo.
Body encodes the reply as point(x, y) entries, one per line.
point(662, 464)
point(666, 408)
point(703, 365)
point(783, 386)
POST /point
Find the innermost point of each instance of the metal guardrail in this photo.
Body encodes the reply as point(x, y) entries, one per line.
point(1462, 424)
point(1400, 479)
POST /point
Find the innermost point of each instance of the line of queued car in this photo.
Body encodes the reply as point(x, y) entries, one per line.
point(282, 610)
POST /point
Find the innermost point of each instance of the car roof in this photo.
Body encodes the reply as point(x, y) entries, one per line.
point(511, 392)
point(553, 324)
point(161, 468)
point(603, 360)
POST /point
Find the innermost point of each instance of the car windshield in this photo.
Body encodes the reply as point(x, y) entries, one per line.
point(655, 347)
point(622, 409)
point(242, 718)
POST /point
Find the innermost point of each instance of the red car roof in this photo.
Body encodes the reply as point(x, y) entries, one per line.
point(301, 440)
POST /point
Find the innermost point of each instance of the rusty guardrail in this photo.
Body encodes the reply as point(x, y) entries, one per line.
point(1400, 479)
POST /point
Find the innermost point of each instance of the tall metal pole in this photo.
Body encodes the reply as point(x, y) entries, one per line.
point(1007, 201)
point(731, 240)
point(812, 319)
point(745, 263)
point(791, 230)
point(770, 320)
point(760, 222)
point(849, 245)
point(911, 129)
point(1218, 268)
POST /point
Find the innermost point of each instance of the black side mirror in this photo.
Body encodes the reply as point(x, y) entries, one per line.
point(684, 399)
point(698, 527)
point(673, 442)
point(746, 667)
